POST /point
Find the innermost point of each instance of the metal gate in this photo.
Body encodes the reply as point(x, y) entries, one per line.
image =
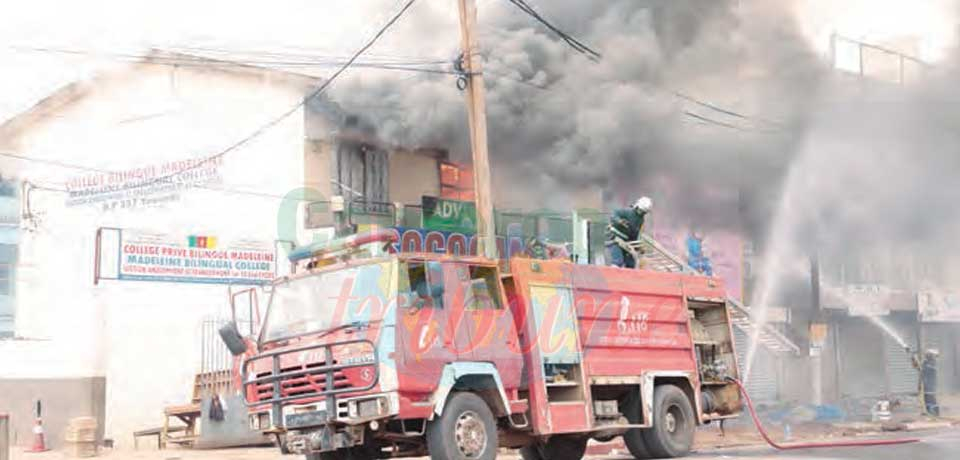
point(862, 363)
point(763, 383)
point(216, 362)
point(902, 378)
point(214, 355)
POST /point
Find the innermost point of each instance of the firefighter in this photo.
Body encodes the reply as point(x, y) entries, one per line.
point(696, 259)
point(928, 380)
point(626, 226)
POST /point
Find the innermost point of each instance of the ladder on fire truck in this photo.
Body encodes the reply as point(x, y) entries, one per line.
point(658, 258)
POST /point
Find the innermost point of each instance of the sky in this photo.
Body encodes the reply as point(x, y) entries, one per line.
point(99, 29)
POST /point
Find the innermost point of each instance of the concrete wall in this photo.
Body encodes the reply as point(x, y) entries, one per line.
point(317, 162)
point(61, 400)
point(142, 337)
point(413, 175)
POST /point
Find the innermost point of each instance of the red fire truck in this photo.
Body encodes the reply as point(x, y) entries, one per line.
point(398, 355)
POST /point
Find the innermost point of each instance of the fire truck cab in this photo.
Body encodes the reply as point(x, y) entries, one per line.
point(399, 355)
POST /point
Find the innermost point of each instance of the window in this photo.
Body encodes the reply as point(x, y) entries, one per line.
point(6, 272)
point(8, 259)
point(484, 289)
point(425, 282)
point(9, 236)
point(362, 176)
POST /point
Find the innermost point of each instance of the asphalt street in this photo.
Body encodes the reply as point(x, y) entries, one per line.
point(932, 446)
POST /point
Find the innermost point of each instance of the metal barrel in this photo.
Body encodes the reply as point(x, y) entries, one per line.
point(4, 436)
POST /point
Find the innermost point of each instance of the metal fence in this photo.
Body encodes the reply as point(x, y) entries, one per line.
point(214, 355)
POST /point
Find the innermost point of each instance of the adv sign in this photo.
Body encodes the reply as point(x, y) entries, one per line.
point(449, 215)
point(938, 306)
point(193, 259)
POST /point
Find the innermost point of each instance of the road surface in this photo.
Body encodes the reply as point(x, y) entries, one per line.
point(933, 446)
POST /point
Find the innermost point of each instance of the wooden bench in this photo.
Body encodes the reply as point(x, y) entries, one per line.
point(205, 384)
point(188, 414)
point(158, 432)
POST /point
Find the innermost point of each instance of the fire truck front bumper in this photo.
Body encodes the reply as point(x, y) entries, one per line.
point(311, 431)
point(324, 439)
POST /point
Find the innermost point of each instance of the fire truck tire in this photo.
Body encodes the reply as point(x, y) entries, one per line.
point(633, 438)
point(673, 423)
point(556, 448)
point(465, 431)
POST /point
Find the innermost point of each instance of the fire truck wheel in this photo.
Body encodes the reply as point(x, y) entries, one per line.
point(633, 438)
point(556, 448)
point(465, 431)
point(673, 423)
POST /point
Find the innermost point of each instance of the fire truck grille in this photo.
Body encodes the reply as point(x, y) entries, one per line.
point(303, 385)
point(287, 381)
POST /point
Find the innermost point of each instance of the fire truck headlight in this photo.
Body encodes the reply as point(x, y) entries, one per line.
point(259, 421)
point(369, 408)
point(364, 408)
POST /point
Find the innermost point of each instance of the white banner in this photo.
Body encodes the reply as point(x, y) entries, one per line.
point(140, 187)
point(193, 259)
point(938, 306)
point(859, 299)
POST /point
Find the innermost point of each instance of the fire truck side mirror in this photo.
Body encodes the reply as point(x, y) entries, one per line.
point(232, 339)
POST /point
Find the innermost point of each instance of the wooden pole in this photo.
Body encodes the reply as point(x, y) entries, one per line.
point(477, 114)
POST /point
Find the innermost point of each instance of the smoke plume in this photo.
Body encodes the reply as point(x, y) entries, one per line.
point(857, 170)
point(559, 122)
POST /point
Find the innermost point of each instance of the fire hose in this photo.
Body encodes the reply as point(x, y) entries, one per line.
point(812, 445)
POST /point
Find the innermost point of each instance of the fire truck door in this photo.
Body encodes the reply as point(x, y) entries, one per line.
point(561, 358)
point(456, 333)
point(492, 332)
point(421, 321)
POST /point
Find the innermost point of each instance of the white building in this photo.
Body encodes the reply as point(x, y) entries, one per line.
point(122, 350)
point(147, 156)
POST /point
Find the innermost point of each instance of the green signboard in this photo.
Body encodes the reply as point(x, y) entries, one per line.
point(449, 215)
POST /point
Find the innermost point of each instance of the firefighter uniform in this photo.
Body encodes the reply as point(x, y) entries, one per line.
point(625, 225)
point(928, 382)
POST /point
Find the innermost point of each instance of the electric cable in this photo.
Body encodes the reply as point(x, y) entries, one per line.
point(323, 86)
point(570, 40)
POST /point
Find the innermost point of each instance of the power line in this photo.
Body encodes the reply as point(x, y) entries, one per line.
point(724, 124)
point(323, 86)
point(221, 62)
point(577, 45)
point(685, 112)
point(722, 110)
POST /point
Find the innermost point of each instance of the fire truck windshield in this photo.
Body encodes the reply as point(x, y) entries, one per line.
point(326, 300)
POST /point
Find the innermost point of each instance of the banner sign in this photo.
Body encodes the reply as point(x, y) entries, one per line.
point(938, 306)
point(859, 299)
point(194, 259)
point(139, 187)
point(449, 215)
point(453, 243)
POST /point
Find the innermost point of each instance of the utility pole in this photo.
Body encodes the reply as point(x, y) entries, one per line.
point(477, 114)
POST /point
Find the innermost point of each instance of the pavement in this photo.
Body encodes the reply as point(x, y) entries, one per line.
point(938, 440)
point(938, 445)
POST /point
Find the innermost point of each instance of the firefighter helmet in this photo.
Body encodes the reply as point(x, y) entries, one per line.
point(644, 204)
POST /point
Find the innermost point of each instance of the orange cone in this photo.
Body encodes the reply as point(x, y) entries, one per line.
point(39, 443)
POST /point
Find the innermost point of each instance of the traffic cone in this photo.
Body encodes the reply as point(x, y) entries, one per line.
point(39, 443)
